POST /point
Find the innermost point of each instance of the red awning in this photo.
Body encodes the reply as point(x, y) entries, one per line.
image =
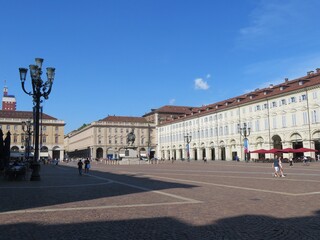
point(301, 150)
point(273, 150)
point(259, 151)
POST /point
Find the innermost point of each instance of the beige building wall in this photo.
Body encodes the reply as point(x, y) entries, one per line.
point(287, 119)
point(102, 139)
point(52, 132)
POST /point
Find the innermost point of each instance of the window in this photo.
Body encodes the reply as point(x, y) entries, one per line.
point(314, 116)
point(22, 138)
point(265, 106)
point(8, 127)
point(15, 138)
point(266, 124)
point(274, 122)
point(305, 118)
point(257, 125)
point(15, 127)
point(56, 139)
point(303, 97)
point(294, 120)
point(292, 100)
point(258, 108)
point(284, 121)
point(314, 95)
point(44, 128)
point(274, 104)
point(283, 102)
point(226, 130)
point(44, 138)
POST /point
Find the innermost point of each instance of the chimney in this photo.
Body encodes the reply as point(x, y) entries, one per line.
point(286, 79)
point(310, 73)
point(271, 86)
point(318, 70)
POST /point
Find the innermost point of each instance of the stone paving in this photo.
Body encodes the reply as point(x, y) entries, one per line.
point(217, 200)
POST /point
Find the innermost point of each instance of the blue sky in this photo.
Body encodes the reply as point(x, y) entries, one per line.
point(125, 57)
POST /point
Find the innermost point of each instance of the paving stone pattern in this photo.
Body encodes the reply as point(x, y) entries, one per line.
point(196, 200)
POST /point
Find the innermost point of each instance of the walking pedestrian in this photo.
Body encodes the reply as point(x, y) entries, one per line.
point(80, 164)
point(276, 167)
point(281, 167)
point(86, 165)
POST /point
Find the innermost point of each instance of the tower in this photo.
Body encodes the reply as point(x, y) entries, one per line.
point(8, 101)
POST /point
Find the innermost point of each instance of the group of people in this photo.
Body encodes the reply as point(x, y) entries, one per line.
point(278, 168)
point(86, 166)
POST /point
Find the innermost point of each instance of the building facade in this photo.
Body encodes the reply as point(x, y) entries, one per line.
point(281, 116)
point(51, 134)
point(107, 138)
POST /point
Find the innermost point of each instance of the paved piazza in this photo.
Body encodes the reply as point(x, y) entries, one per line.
point(217, 200)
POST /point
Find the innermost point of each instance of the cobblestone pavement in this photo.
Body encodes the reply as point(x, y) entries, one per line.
point(217, 200)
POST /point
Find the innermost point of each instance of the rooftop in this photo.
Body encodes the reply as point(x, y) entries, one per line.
point(22, 115)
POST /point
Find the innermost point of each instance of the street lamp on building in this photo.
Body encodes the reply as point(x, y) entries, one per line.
point(245, 132)
point(26, 127)
point(39, 89)
point(188, 139)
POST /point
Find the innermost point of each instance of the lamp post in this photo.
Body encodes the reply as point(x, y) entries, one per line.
point(26, 127)
point(39, 89)
point(245, 132)
point(188, 138)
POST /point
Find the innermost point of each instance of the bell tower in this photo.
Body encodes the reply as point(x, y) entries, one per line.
point(8, 101)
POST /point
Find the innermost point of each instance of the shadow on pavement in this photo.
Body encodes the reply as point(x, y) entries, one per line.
point(62, 185)
point(241, 227)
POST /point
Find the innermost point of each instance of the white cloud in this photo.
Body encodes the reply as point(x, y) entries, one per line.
point(172, 101)
point(199, 83)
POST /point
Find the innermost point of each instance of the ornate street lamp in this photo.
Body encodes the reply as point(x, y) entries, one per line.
point(245, 132)
point(26, 127)
point(39, 89)
point(187, 139)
